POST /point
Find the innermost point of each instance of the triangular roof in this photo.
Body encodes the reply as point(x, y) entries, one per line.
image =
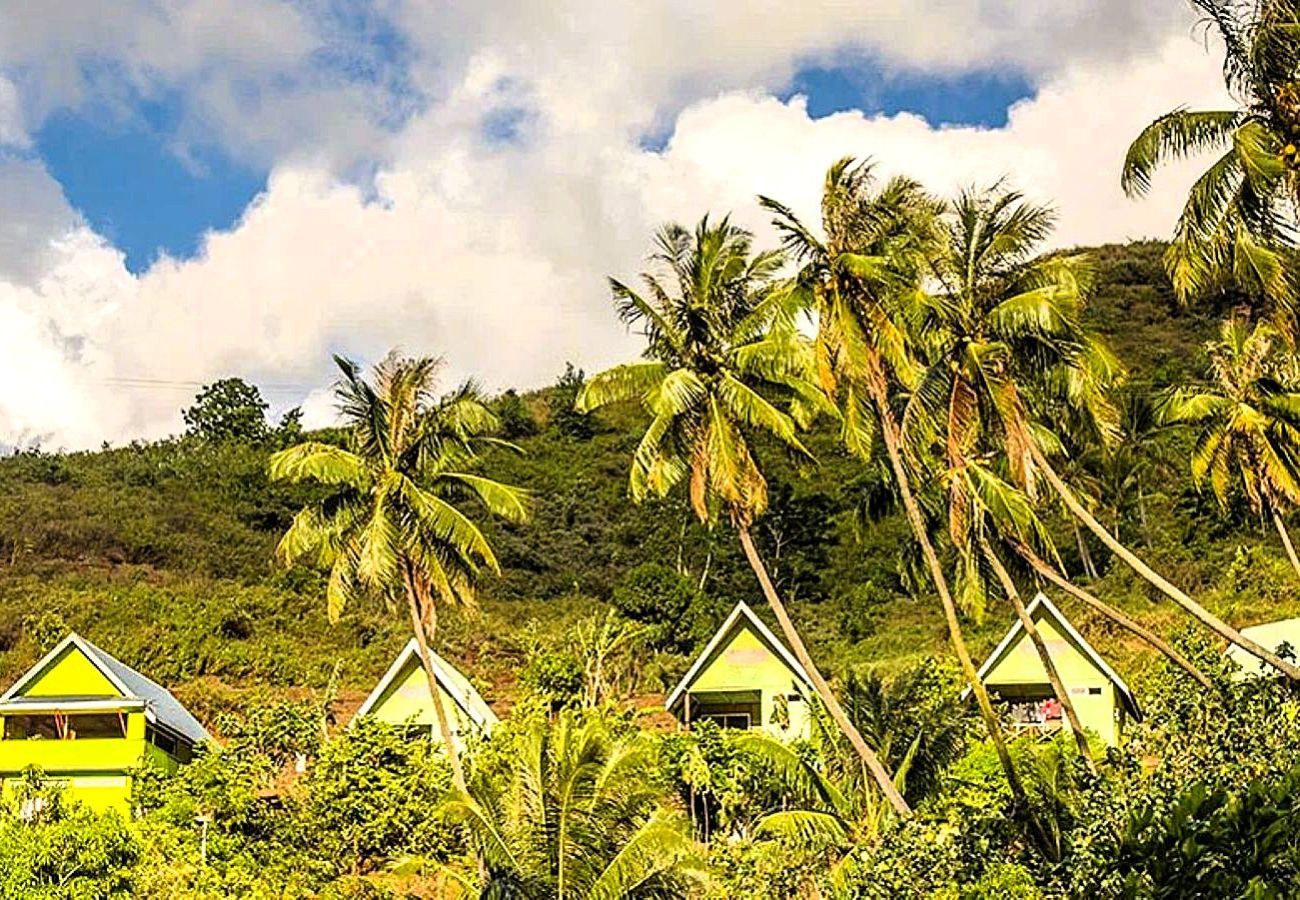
point(1042, 605)
point(160, 706)
point(1270, 636)
point(456, 685)
point(741, 615)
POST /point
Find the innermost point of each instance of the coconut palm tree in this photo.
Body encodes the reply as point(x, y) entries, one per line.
point(1238, 223)
point(1248, 424)
point(1041, 365)
point(722, 346)
point(573, 810)
point(864, 283)
point(391, 526)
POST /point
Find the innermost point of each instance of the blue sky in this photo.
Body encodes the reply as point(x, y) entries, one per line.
point(122, 169)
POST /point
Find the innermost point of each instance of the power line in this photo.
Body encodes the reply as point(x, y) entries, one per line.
point(168, 384)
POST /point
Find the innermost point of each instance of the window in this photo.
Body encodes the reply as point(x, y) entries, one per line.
point(164, 742)
point(56, 726)
point(96, 726)
point(25, 728)
point(728, 720)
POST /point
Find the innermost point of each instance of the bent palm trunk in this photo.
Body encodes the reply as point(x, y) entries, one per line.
point(868, 756)
point(435, 691)
point(1119, 618)
point(1085, 555)
point(1053, 676)
point(889, 432)
point(1286, 541)
point(1194, 609)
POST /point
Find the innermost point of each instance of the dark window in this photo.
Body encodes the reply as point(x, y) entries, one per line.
point(1094, 690)
point(163, 741)
point(21, 728)
point(729, 720)
point(96, 726)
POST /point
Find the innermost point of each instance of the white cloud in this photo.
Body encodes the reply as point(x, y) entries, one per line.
point(495, 254)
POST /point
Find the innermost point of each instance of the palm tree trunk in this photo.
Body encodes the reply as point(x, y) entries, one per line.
point(828, 699)
point(1194, 609)
point(1085, 555)
point(422, 638)
point(1286, 541)
point(1119, 618)
point(889, 432)
point(1031, 629)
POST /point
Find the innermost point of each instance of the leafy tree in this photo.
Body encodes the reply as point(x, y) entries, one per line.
point(566, 416)
point(228, 410)
point(391, 527)
point(720, 343)
point(373, 794)
point(1247, 421)
point(516, 418)
point(572, 809)
point(660, 597)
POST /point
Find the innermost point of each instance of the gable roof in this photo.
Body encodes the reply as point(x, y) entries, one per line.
point(1041, 604)
point(451, 680)
point(1270, 636)
point(741, 615)
point(159, 705)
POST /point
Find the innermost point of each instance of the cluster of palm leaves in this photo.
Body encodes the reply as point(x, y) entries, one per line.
point(943, 334)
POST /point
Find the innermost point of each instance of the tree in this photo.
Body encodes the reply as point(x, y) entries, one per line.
point(228, 410)
point(1248, 424)
point(572, 810)
point(863, 282)
point(1238, 221)
point(721, 344)
point(567, 418)
point(392, 527)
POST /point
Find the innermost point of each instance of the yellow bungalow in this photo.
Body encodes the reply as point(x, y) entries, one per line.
point(1280, 637)
point(1015, 674)
point(88, 722)
point(745, 678)
point(402, 698)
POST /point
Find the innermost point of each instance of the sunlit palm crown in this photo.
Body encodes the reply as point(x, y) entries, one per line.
point(392, 516)
point(723, 358)
point(1248, 418)
point(1238, 224)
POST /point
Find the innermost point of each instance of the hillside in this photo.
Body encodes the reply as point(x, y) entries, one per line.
point(163, 554)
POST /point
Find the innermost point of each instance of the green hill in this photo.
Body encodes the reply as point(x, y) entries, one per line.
point(163, 553)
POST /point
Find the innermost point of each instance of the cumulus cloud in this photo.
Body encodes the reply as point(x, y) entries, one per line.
point(490, 244)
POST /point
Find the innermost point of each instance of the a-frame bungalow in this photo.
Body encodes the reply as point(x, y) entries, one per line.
point(1282, 637)
point(745, 678)
point(89, 721)
point(1015, 674)
point(402, 698)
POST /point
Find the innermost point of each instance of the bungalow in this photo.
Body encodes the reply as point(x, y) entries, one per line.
point(1015, 674)
point(1280, 637)
point(88, 721)
point(745, 678)
point(402, 697)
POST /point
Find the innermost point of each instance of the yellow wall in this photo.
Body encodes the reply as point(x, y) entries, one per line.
point(407, 701)
point(745, 663)
point(1020, 665)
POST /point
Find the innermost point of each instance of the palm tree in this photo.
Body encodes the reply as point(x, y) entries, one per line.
point(1238, 222)
point(721, 345)
point(391, 526)
point(864, 283)
point(1248, 424)
point(573, 810)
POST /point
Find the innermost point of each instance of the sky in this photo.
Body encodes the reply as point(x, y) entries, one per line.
point(191, 190)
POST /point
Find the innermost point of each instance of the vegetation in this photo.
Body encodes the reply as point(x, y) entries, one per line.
point(971, 418)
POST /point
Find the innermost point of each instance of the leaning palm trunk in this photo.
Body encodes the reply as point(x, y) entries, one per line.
point(1031, 629)
point(824, 693)
point(889, 433)
point(1121, 619)
point(1194, 609)
point(423, 634)
point(1286, 541)
point(1085, 555)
